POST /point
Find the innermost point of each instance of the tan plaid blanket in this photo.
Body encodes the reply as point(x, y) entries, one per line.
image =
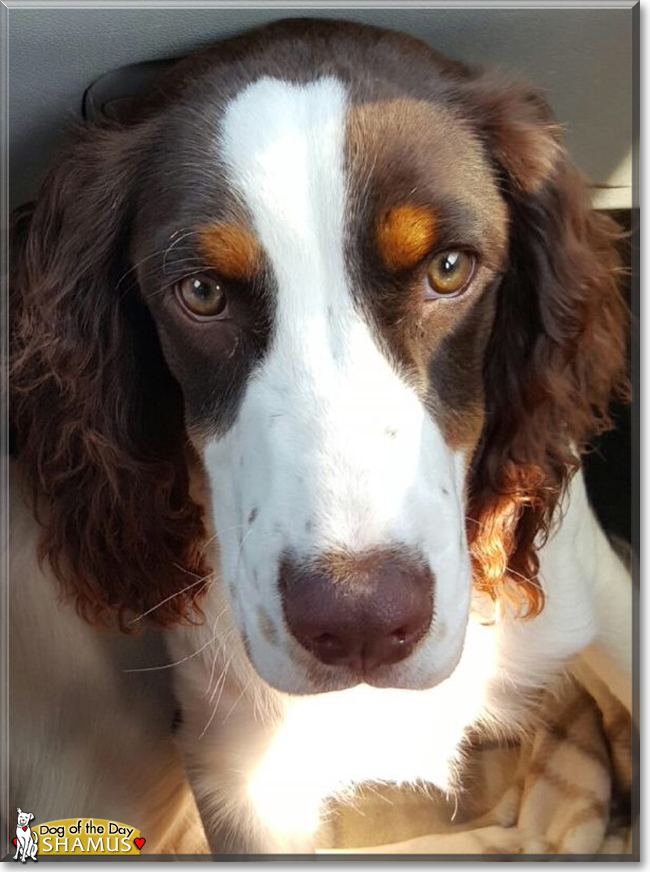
point(563, 789)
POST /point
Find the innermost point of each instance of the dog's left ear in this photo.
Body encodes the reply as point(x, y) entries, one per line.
point(557, 353)
point(516, 124)
point(31, 816)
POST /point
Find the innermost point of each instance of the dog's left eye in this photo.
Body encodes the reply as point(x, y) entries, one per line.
point(449, 274)
point(202, 295)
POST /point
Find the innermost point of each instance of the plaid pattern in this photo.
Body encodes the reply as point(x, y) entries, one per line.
point(563, 788)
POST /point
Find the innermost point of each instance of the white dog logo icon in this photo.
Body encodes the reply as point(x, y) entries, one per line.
point(26, 841)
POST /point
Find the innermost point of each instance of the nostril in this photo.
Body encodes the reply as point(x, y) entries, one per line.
point(399, 636)
point(326, 640)
point(327, 647)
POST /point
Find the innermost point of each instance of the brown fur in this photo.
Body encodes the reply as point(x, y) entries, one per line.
point(232, 251)
point(98, 419)
point(405, 235)
point(360, 570)
point(556, 354)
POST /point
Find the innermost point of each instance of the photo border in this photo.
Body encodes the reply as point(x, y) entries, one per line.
point(637, 363)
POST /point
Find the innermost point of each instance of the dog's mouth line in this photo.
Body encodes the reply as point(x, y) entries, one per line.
point(320, 679)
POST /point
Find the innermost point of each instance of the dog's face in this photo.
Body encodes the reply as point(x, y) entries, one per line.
point(24, 817)
point(324, 288)
point(364, 282)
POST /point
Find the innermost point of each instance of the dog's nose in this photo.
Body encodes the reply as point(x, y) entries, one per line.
point(359, 611)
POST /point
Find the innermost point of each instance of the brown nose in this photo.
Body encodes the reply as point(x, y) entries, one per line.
point(359, 611)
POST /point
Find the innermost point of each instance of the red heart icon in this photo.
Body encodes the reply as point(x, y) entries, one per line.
point(15, 841)
point(140, 842)
point(24, 828)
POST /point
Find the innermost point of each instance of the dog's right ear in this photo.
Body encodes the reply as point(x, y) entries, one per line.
point(557, 351)
point(19, 811)
point(97, 416)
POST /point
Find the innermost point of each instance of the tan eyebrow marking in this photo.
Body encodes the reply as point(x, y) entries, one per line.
point(232, 251)
point(404, 235)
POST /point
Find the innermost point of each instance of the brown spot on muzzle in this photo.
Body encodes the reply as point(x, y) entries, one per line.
point(268, 629)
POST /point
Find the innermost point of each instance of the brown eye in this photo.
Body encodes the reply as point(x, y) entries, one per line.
point(449, 273)
point(202, 295)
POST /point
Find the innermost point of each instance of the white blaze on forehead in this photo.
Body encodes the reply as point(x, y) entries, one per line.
point(284, 145)
point(277, 138)
point(284, 148)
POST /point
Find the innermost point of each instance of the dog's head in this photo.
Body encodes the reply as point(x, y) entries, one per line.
point(363, 287)
point(24, 817)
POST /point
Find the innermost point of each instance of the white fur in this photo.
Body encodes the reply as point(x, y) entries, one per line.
point(328, 436)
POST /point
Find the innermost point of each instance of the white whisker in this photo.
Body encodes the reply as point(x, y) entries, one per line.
point(237, 701)
point(222, 683)
point(207, 579)
point(219, 686)
point(176, 663)
point(220, 533)
point(216, 650)
point(179, 238)
point(193, 574)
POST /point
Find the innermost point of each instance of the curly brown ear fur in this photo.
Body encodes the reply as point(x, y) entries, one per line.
point(557, 350)
point(97, 416)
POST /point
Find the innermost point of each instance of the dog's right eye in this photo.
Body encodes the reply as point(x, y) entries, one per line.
point(203, 296)
point(450, 273)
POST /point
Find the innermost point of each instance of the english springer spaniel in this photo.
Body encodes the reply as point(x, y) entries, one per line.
point(305, 357)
